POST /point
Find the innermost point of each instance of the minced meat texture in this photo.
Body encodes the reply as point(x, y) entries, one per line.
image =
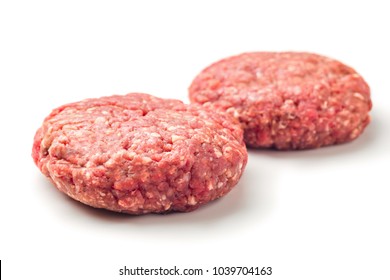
point(139, 154)
point(287, 100)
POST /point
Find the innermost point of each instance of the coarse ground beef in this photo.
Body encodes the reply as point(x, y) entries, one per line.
point(287, 100)
point(139, 154)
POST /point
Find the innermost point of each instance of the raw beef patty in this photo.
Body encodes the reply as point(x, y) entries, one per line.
point(139, 154)
point(287, 100)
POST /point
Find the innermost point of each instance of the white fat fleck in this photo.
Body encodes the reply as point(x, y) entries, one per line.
point(149, 195)
point(327, 128)
point(154, 134)
point(359, 95)
point(219, 185)
point(186, 178)
point(233, 112)
point(104, 112)
point(62, 139)
point(217, 152)
point(110, 163)
point(177, 138)
point(331, 110)
point(291, 68)
point(210, 186)
point(282, 125)
point(344, 112)
point(356, 75)
point(288, 102)
point(291, 116)
point(224, 138)
point(240, 166)
point(229, 173)
point(122, 203)
point(227, 149)
point(120, 153)
point(88, 174)
point(354, 133)
point(100, 120)
point(192, 200)
point(163, 197)
point(146, 159)
point(131, 154)
point(171, 128)
point(297, 90)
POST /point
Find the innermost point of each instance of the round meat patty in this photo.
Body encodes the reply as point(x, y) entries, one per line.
point(139, 154)
point(287, 100)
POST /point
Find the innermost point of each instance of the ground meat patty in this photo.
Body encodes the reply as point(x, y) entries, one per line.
point(138, 153)
point(287, 100)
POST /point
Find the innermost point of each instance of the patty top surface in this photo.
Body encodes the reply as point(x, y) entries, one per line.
point(138, 143)
point(251, 75)
point(283, 92)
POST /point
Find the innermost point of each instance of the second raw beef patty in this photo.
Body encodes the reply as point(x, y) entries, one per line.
point(287, 100)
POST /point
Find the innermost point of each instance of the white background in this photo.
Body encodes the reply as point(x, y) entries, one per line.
point(318, 214)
